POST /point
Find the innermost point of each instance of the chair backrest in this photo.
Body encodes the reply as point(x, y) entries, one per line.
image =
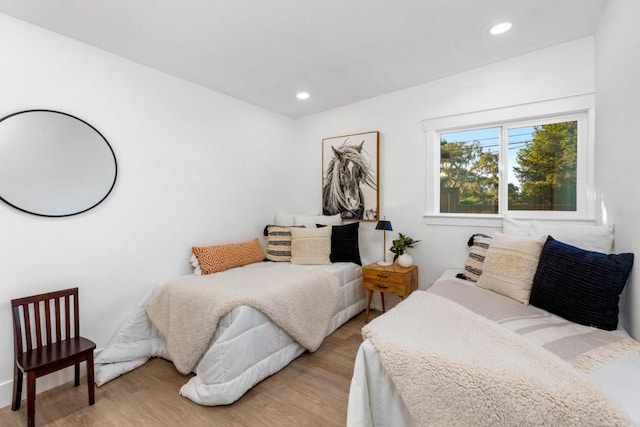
point(42, 319)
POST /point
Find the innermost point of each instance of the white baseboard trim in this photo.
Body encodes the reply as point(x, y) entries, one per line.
point(42, 384)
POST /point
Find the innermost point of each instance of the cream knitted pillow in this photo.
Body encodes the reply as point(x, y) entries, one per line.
point(510, 265)
point(311, 245)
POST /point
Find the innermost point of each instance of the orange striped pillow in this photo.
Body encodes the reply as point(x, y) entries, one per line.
point(223, 257)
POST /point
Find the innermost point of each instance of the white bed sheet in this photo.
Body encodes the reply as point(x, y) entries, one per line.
point(374, 400)
point(247, 347)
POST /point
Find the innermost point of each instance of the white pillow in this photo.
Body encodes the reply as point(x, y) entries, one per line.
point(288, 219)
point(310, 221)
point(311, 245)
point(196, 265)
point(510, 265)
point(598, 238)
point(516, 227)
point(284, 218)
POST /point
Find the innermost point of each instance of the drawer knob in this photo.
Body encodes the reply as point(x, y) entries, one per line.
point(381, 286)
point(382, 276)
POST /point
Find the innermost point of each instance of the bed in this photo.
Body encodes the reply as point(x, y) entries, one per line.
point(608, 360)
point(246, 347)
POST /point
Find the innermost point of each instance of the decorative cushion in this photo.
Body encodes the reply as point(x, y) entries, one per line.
point(478, 244)
point(344, 243)
point(278, 243)
point(510, 265)
point(212, 259)
point(310, 221)
point(598, 238)
point(581, 286)
point(310, 245)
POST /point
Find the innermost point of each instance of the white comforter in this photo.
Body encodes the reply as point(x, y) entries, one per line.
point(247, 347)
point(375, 400)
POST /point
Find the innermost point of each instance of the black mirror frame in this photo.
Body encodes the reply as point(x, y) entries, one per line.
point(115, 163)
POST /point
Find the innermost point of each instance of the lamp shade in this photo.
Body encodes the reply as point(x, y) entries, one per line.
point(384, 225)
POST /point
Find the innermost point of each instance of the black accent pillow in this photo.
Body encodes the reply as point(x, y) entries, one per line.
point(344, 243)
point(581, 286)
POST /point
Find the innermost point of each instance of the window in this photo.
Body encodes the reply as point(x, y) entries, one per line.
point(469, 164)
point(537, 167)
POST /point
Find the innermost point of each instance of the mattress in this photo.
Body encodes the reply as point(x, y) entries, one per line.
point(374, 400)
point(247, 347)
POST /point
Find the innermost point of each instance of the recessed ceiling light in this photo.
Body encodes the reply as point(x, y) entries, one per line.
point(302, 95)
point(500, 28)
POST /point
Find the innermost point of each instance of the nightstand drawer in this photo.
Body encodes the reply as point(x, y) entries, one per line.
point(384, 276)
point(383, 286)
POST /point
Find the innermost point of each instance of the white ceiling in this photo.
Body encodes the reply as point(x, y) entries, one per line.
point(341, 51)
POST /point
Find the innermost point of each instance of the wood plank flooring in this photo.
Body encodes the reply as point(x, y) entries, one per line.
point(311, 391)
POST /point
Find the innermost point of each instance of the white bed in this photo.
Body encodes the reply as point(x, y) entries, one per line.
point(247, 347)
point(374, 399)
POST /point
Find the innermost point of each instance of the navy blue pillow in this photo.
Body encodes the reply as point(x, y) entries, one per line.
point(579, 285)
point(344, 243)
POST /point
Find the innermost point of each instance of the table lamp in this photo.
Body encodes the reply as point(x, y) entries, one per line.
point(385, 226)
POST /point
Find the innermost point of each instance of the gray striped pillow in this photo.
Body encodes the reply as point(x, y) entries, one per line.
point(479, 243)
point(278, 243)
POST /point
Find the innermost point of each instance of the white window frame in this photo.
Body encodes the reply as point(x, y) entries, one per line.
point(579, 108)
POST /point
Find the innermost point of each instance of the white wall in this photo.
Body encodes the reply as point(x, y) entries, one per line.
point(560, 71)
point(617, 54)
point(195, 167)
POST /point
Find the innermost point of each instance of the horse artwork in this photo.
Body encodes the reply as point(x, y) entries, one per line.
point(350, 178)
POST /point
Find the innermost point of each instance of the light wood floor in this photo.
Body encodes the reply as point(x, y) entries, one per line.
point(311, 391)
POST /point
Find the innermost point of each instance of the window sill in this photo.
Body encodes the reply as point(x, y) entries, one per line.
point(470, 220)
point(495, 221)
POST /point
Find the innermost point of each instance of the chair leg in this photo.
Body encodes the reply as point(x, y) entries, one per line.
point(17, 388)
point(31, 399)
point(76, 376)
point(91, 386)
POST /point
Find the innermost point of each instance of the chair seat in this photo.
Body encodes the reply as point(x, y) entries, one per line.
point(60, 354)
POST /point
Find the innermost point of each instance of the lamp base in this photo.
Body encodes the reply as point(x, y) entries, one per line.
point(384, 263)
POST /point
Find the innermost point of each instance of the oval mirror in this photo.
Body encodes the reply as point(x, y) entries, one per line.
point(53, 164)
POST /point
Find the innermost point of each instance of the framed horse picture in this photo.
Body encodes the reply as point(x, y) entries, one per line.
point(350, 176)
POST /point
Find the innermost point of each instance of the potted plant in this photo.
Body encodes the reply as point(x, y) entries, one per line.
point(400, 245)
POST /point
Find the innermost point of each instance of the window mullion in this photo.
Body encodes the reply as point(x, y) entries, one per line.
point(503, 176)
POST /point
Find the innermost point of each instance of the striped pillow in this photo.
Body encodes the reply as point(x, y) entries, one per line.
point(478, 243)
point(278, 243)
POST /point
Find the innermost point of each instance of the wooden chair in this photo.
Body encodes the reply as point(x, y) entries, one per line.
point(45, 342)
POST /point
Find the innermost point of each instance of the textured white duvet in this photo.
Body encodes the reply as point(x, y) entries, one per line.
point(247, 347)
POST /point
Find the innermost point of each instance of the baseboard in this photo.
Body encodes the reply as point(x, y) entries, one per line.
point(45, 383)
point(6, 389)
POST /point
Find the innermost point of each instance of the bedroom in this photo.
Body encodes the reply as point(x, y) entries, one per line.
point(174, 141)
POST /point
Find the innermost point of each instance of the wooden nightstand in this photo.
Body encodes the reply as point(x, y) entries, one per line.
point(400, 281)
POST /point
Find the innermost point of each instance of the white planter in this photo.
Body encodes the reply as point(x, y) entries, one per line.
point(405, 260)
